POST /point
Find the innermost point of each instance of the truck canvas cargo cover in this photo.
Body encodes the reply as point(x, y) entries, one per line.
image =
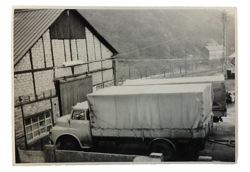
point(125, 111)
point(218, 83)
point(184, 80)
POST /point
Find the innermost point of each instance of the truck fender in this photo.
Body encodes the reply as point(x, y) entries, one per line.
point(159, 140)
point(68, 135)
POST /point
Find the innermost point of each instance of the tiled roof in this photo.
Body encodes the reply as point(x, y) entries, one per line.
point(29, 25)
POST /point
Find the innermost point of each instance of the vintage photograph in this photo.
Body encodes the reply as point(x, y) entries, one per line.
point(124, 85)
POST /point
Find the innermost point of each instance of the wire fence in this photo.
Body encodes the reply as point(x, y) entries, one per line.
point(160, 68)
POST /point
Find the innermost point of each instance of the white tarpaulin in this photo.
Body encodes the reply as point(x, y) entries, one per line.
point(151, 107)
point(217, 83)
point(184, 80)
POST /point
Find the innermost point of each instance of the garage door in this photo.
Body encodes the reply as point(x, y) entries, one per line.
point(72, 91)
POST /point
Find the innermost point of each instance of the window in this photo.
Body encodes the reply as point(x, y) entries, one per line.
point(78, 115)
point(38, 126)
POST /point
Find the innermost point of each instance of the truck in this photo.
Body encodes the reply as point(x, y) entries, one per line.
point(164, 117)
point(218, 84)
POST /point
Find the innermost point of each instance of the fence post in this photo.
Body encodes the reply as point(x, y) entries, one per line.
point(49, 151)
point(114, 63)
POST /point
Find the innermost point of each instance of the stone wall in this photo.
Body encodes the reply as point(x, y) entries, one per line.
point(23, 85)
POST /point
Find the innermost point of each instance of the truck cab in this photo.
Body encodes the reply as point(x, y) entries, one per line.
point(72, 131)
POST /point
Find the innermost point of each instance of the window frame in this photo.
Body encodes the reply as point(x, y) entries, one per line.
point(39, 125)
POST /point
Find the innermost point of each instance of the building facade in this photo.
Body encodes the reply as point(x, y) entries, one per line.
point(59, 57)
point(214, 51)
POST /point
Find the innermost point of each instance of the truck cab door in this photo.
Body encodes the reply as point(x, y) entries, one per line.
point(80, 126)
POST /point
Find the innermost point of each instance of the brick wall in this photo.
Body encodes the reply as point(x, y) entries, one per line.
point(81, 50)
point(95, 66)
point(107, 64)
point(37, 107)
point(19, 130)
point(106, 53)
point(44, 81)
point(23, 85)
point(38, 55)
point(61, 72)
point(58, 52)
point(97, 45)
point(90, 45)
point(97, 78)
point(24, 64)
point(80, 69)
point(74, 49)
point(108, 75)
point(67, 50)
point(47, 49)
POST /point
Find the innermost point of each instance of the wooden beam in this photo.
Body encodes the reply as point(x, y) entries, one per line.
point(35, 101)
point(33, 77)
point(87, 52)
point(43, 52)
point(32, 70)
point(85, 73)
point(64, 50)
point(51, 48)
point(77, 50)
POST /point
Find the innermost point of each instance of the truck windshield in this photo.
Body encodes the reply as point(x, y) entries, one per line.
point(78, 115)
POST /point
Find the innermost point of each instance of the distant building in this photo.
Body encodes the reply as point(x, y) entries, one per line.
point(214, 51)
point(59, 57)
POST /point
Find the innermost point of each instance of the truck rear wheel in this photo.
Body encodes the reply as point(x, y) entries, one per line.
point(68, 143)
point(167, 150)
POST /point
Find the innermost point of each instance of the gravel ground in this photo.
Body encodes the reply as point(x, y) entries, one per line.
point(224, 131)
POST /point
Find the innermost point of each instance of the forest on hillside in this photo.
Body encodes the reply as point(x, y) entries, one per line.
point(174, 32)
point(169, 34)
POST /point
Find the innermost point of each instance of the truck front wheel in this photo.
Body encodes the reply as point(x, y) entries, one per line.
point(68, 143)
point(167, 150)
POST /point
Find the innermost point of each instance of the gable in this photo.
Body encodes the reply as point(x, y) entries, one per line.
point(30, 25)
point(68, 26)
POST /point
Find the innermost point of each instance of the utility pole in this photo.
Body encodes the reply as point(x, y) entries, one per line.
point(129, 72)
point(114, 63)
point(224, 21)
point(186, 60)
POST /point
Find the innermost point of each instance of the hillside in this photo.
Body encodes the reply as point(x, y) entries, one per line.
point(184, 31)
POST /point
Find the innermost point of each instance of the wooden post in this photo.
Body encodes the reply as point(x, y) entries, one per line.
point(114, 61)
point(24, 128)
